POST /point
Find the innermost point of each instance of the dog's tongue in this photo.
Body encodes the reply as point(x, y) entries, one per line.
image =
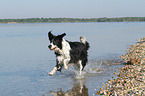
point(53, 48)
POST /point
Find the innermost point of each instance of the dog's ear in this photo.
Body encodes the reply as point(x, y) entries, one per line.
point(50, 35)
point(62, 35)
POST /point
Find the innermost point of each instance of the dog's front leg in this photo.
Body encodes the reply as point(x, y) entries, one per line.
point(53, 71)
point(65, 62)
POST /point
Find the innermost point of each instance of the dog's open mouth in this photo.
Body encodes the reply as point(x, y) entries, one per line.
point(53, 48)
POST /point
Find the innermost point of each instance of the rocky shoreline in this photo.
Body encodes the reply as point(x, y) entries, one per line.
point(131, 77)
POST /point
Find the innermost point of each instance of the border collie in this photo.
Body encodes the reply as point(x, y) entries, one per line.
point(68, 53)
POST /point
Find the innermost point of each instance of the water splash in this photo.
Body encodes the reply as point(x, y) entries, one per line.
point(78, 76)
point(93, 66)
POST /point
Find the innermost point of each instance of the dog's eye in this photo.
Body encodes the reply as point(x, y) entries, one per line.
point(56, 42)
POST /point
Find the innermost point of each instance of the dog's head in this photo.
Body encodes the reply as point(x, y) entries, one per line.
point(55, 41)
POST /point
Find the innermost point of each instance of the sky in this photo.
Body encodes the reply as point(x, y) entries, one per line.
point(71, 8)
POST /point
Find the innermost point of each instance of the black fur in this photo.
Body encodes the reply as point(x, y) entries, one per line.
point(51, 36)
point(56, 39)
point(78, 50)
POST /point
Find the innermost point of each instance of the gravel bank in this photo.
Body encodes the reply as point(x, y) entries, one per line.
point(131, 77)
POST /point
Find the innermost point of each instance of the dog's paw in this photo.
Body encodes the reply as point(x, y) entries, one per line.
point(66, 67)
point(50, 74)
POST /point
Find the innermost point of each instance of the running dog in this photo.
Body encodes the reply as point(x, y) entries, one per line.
point(68, 53)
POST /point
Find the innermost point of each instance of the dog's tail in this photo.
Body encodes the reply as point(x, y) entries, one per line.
point(84, 40)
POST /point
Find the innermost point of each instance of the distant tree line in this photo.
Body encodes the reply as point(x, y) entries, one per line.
point(57, 20)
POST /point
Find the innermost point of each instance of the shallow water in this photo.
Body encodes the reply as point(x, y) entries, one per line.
point(25, 59)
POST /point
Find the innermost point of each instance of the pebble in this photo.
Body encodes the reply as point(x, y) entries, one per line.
point(131, 77)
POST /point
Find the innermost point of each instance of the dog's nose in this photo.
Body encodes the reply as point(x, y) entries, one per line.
point(49, 46)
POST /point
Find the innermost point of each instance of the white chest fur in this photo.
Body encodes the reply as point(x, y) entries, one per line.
point(65, 49)
point(65, 54)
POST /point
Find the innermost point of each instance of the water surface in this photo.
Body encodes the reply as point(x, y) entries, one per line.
point(25, 59)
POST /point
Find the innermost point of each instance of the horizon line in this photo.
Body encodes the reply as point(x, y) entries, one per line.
point(73, 17)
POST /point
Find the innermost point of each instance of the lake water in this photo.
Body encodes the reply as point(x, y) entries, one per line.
point(25, 59)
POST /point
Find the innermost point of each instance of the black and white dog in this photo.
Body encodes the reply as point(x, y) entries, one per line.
point(68, 52)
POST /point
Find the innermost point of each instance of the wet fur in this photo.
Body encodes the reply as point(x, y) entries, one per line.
point(68, 52)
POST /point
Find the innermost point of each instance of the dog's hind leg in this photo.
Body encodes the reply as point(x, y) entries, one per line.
point(81, 67)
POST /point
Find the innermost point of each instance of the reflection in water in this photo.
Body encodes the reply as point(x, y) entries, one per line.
point(79, 89)
point(94, 67)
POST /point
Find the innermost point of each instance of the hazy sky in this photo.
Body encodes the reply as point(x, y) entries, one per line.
point(71, 8)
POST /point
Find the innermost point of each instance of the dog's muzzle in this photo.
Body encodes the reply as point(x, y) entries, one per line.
point(50, 47)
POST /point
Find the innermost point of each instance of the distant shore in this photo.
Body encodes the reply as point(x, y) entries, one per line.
point(63, 20)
